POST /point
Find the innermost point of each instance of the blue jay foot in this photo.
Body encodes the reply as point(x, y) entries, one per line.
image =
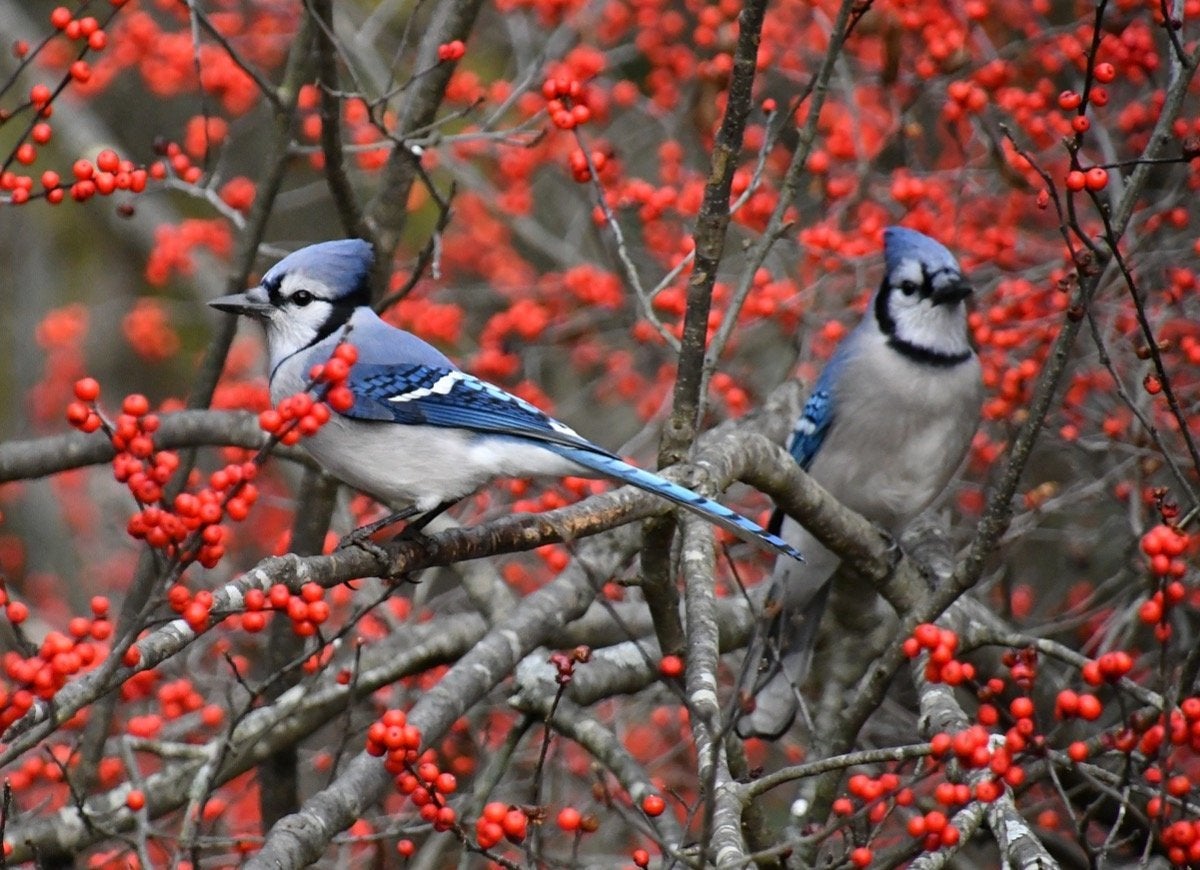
point(361, 537)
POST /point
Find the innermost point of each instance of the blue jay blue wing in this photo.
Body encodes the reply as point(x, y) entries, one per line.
point(811, 427)
point(420, 395)
point(806, 438)
point(430, 396)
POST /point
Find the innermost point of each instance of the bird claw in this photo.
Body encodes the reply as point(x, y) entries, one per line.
point(361, 538)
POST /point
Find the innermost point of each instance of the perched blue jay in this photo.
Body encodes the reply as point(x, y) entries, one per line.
point(889, 421)
point(421, 432)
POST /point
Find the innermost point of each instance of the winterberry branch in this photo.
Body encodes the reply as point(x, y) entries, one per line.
point(645, 299)
point(850, 12)
point(1146, 423)
point(199, 17)
point(709, 239)
point(340, 189)
point(386, 213)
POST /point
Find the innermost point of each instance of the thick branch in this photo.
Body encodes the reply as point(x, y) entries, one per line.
point(711, 226)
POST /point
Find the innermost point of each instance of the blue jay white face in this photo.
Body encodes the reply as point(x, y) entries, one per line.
point(307, 295)
point(921, 305)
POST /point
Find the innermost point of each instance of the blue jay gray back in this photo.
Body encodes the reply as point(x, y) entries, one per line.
point(889, 421)
point(421, 433)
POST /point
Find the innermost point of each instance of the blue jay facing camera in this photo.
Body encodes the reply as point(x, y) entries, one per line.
point(421, 433)
point(889, 421)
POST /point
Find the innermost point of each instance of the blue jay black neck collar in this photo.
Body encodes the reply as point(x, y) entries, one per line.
point(342, 311)
point(914, 352)
point(338, 317)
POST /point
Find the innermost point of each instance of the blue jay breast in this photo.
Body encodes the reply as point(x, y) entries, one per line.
point(889, 458)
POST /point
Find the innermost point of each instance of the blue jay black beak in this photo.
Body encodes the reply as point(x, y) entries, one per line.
point(955, 291)
point(252, 303)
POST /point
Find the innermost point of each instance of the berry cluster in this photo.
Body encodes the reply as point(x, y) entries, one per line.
point(451, 51)
point(175, 161)
point(109, 174)
point(1164, 545)
point(566, 102)
point(578, 163)
point(84, 34)
point(189, 527)
point(300, 415)
point(879, 795)
point(307, 610)
point(941, 643)
point(174, 247)
point(392, 736)
point(418, 776)
point(58, 657)
point(499, 821)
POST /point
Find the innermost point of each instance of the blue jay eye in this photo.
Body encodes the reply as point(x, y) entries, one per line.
point(909, 287)
point(302, 298)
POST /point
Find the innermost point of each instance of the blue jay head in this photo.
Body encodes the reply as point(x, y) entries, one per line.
point(921, 305)
point(308, 294)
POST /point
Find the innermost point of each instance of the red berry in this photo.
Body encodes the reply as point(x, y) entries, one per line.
point(569, 819)
point(78, 414)
point(671, 667)
point(1090, 707)
point(1097, 178)
point(1105, 72)
point(108, 160)
point(87, 389)
point(136, 799)
point(653, 805)
point(928, 635)
point(1021, 707)
point(861, 857)
point(515, 825)
point(135, 405)
point(1069, 100)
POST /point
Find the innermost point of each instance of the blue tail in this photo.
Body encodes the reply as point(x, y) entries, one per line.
point(715, 513)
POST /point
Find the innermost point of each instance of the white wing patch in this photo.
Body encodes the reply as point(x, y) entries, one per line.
point(441, 387)
point(805, 426)
point(562, 428)
point(444, 385)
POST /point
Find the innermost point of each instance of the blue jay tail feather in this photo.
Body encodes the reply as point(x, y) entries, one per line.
point(715, 512)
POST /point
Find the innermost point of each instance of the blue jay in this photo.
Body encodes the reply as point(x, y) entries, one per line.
point(889, 421)
point(421, 432)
